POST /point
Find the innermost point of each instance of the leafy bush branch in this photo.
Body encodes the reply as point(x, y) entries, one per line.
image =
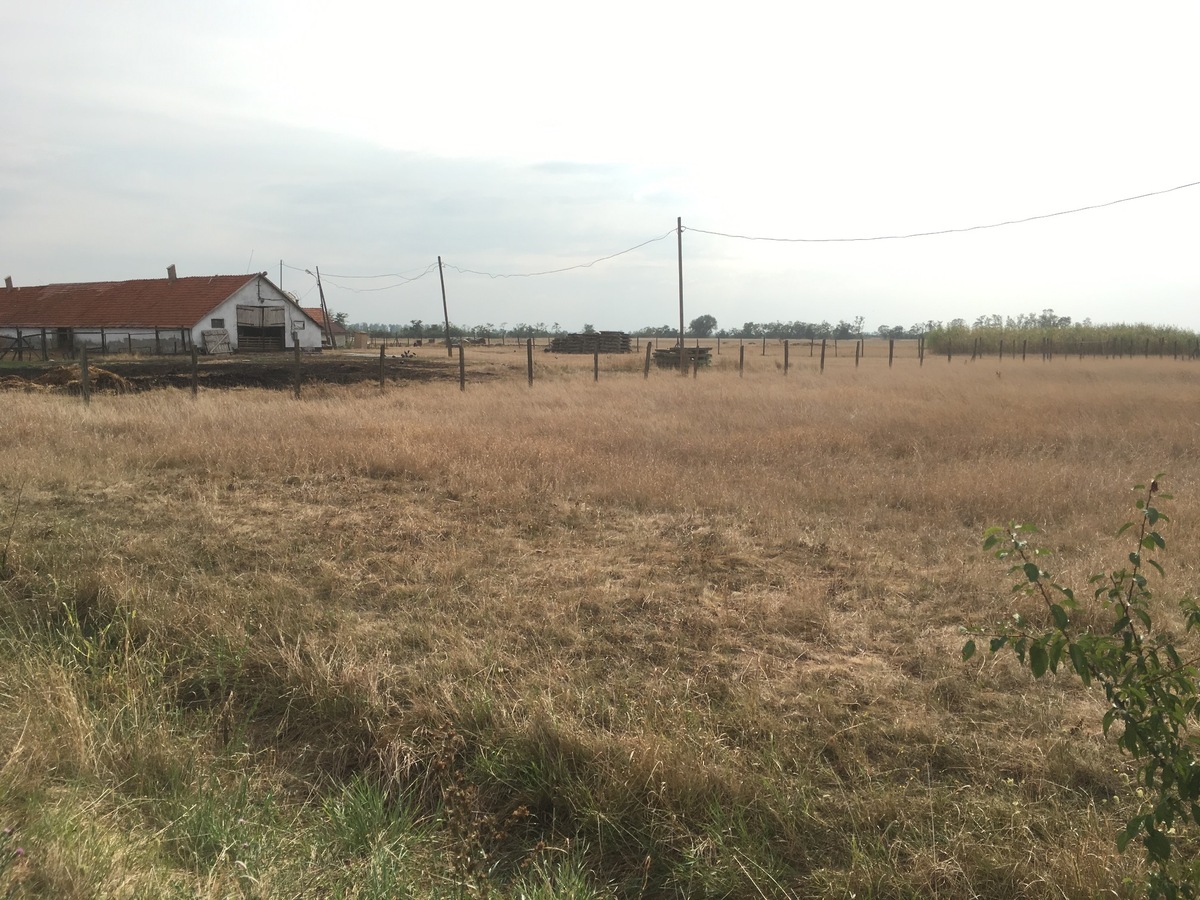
point(1151, 689)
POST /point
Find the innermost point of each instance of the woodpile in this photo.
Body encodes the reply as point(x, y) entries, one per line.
point(600, 341)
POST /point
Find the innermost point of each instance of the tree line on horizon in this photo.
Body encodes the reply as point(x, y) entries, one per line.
point(989, 330)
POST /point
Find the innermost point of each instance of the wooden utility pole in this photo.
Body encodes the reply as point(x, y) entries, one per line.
point(679, 236)
point(445, 310)
point(325, 311)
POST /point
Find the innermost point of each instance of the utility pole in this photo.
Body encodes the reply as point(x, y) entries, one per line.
point(445, 311)
point(679, 235)
point(325, 311)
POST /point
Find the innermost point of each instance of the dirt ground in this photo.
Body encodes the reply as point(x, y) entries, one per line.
point(261, 370)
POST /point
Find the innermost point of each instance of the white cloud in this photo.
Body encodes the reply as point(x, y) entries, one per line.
point(510, 138)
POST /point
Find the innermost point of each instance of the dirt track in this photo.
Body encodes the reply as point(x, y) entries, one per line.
point(274, 371)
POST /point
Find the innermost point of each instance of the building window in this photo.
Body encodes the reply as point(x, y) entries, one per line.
point(218, 323)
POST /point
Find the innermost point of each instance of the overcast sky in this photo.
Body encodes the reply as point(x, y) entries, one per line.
point(370, 138)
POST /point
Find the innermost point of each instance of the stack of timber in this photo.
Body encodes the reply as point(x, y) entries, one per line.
point(602, 342)
point(669, 359)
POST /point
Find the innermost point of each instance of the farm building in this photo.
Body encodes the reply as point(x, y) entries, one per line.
point(216, 313)
point(341, 337)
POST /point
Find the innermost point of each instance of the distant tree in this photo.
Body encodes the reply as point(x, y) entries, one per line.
point(341, 318)
point(657, 331)
point(588, 328)
point(702, 326)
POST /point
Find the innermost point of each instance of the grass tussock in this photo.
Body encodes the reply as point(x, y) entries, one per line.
point(664, 638)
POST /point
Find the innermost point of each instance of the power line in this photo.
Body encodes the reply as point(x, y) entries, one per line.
point(900, 237)
point(586, 265)
point(404, 278)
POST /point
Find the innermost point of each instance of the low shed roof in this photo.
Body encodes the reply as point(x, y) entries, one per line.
point(318, 315)
point(142, 303)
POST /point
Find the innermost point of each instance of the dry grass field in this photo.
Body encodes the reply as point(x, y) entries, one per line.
point(673, 637)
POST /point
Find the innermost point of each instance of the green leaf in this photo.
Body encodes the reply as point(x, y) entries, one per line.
point(997, 643)
point(1080, 662)
point(1061, 619)
point(968, 650)
point(1056, 649)
point(1158, 845)
point(1132, 828)
point(1032, 572)
point(1038, 660)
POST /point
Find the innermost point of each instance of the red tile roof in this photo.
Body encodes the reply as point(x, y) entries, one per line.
point(318, 315)
point(145, 303)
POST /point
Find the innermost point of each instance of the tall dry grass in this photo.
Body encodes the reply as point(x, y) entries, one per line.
point(704, 631)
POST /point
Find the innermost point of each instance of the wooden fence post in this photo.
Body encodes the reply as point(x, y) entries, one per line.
point(822, 356)
point(596, 364)
point(195, 372)
point(529, 357)
point(741, 360)
point(462, 369)
point(296, 373)
point(891, 350)
point(381, 349)
point(785, 357)
point(645, 371)
point(85, 376)
point(856, 349)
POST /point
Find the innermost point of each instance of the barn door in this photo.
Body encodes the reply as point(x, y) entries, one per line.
point(261, 328)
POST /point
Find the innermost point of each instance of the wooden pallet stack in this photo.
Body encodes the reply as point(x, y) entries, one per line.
point(669, 358)
point(600, 341)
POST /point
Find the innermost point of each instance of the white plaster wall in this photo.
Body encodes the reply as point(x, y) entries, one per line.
point(261, 292)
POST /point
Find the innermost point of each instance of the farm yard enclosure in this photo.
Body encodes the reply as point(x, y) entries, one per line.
point(699, 637)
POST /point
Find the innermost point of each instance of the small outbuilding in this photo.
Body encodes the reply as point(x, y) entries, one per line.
point(154, 315)
point(341, 337)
